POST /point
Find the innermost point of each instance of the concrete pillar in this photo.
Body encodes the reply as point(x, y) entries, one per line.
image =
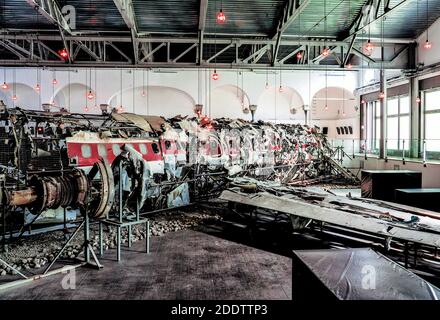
point(383, 115)
point(415, 114)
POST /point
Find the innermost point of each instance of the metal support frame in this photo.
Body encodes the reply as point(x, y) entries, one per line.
point(383, 114)
point(292, 10)
point(96, 47)
point(126, 10)
point(120, 222)
point(201, 29)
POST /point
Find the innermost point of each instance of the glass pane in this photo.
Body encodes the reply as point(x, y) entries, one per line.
point(377, 134)
point(404, 132)
point(432, 132)
point(393, 106)
point(377, 111)
point(404, 105)
point(432, 100)
point(392, 132)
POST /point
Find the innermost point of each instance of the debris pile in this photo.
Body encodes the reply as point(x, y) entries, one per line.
point(37, 251)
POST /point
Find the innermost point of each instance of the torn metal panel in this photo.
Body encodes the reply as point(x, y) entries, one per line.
point(358, 221)
point(179, 196)
point(135, 119)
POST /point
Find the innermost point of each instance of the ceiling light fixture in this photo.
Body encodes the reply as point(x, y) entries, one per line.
point(90, 95)
point(63, 53)
point(5, 86)
point(215, 75)
point(427, 45)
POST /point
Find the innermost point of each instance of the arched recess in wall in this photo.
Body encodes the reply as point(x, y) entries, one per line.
point(285, 106)
point(158, 100)
point(341, 104)
point(27, 97)
point(229, 101)
point(77, 99)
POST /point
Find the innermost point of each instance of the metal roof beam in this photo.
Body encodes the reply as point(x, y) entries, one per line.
point(363, 56)
point(125, 8)
point(52, 12)
point(201, 29)
point(180, 56)
point(290, 55)
point(220, 52)
point(256, 53)
point(202, 14)
point(11, 49)
point(398, 6)
point(292, 10)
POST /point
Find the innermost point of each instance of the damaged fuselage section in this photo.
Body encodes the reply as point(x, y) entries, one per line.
point(129, 161)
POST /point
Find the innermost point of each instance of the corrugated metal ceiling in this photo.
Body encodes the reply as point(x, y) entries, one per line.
point(167, 16)
point(244, 17)
point(96, 15)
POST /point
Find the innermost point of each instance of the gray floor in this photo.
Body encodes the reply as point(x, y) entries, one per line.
point(182, 265)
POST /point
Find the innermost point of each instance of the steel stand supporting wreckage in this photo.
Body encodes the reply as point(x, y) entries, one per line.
point(124, 216)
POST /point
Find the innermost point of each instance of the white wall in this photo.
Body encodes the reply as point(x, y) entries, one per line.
point(432, 55)
point(174, 91)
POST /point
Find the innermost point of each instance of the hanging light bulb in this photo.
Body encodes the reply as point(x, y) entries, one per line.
point(143, 94)
point(215, 76)
point(63, 53)
point(299, 55)
point(267, 85)
point(5, 86)
point(349, 66)
point(221, 18)
point(381, 95)
point(90, 95)
point(121, 109)
point(281, 88)
point(326, 107)
point(54, 82)
point(427, 45)
point(343, 113)
point(14, 97)
point(86, 109)
point(37, 87)
point(418, 100)
point(369, 46)
point(326, 52)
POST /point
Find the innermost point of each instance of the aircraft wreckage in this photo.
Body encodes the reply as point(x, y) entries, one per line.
point(114, 164)
point(56, 161)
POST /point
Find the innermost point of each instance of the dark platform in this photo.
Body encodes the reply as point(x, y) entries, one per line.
point(381, 184)
point(184, 265)
point(355, 274)
point(426, 198)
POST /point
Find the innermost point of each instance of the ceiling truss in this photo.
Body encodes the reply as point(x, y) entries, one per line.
point(19, 47)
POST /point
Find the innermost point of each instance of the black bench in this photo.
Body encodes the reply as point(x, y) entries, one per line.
point(382, 184)
point(426, 198)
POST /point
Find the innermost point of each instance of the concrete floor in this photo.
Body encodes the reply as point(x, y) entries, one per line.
point(184, 265)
